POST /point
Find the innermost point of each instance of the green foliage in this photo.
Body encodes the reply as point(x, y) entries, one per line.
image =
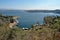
point(49, 31)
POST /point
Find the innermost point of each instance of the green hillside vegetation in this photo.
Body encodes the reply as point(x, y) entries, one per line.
point(50, 30)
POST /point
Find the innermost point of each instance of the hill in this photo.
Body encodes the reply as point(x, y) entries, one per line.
point(50, 30)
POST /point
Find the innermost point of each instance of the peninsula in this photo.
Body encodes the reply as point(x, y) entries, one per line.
point(45, 11)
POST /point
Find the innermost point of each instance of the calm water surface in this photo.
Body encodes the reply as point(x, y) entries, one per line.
point(27, 19)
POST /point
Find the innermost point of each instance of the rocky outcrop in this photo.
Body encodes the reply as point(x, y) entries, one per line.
point(11, 20)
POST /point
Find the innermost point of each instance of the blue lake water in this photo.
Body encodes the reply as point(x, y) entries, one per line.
point(27, 19)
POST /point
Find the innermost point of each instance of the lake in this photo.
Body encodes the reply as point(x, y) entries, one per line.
point(27, 19)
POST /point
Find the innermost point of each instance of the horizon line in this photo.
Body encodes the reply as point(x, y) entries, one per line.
point(29, 9)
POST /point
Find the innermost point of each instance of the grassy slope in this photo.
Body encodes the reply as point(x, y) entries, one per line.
point(44, 32)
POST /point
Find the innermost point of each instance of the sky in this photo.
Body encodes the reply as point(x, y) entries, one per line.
point(30, 4)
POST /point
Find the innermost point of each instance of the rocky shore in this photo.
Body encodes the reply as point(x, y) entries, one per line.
point(10, 20)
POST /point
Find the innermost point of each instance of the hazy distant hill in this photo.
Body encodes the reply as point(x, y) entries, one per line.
point(45, 11)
